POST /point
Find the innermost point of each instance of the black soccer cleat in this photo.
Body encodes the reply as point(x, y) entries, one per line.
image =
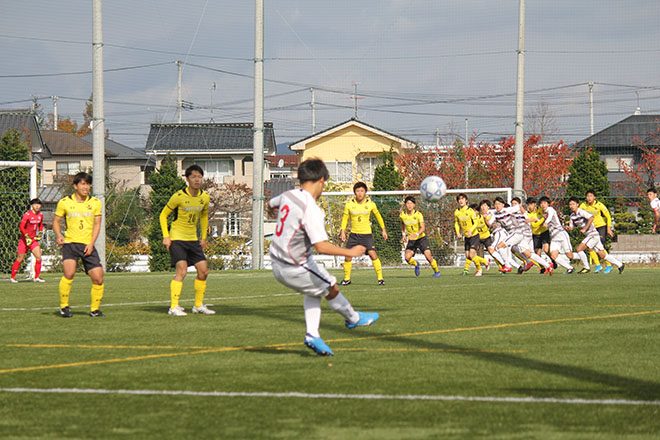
point(66, 312)
point(583, 271)
point(623, 266)
point(96, 314)
point(521, 270)
point(345, 282)
point(381, 282)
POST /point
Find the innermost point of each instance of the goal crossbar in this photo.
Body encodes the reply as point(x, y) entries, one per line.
point(4, 164)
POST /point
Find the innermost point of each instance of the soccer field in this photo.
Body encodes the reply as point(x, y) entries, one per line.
point(457, 357)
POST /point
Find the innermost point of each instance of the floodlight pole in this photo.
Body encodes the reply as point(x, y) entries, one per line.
point(258, 140)
point(520, 99)
point(98, 123)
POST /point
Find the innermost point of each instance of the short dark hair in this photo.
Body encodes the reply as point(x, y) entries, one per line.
point(485, 202)
point(500, 199)
point(530, 200)
point(193, 167)
point(461, 195)
point(652, 190)
point(474, 206)
point(544, 199)
point(516, 199)
point(360, 185)
point(590, 191)
point(82, 176)
point(311, 170)
point(574, 199)
point(36, 201)
point(409, 199)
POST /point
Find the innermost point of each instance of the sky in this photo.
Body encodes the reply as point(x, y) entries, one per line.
point(423, 69)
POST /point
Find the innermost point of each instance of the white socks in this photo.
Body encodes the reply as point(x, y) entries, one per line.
point(341, 305)
point(312, 305)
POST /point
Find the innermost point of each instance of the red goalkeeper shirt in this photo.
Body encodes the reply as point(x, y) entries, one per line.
point(31, 224)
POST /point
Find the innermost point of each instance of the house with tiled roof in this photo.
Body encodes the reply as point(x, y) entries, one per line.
point(223, 150)
point(351, 149)
point(25, 122)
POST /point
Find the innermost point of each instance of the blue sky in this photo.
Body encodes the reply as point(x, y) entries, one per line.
point(420, 66)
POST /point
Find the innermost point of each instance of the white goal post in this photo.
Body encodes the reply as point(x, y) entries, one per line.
point(4, 164)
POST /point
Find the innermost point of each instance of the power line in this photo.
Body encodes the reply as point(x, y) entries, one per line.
point(84, 72)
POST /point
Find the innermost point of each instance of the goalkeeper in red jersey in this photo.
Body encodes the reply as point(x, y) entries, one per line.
point(31, 228)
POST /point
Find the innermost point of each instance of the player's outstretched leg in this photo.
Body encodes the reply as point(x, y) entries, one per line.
point(365, 319)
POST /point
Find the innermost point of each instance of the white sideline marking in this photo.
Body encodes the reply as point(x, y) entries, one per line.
point(297, 395)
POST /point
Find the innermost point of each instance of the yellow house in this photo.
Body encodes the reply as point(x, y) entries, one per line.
point(352, 150)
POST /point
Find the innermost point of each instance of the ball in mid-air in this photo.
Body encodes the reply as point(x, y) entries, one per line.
point(433, 188)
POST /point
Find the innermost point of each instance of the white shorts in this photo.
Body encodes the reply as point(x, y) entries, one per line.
point(561, 243)
point(308, 279)
point(499, 236)
point(526, 244)
point(593, 242)
point(514, 239)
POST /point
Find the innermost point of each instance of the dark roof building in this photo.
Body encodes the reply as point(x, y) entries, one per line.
point(25, 121)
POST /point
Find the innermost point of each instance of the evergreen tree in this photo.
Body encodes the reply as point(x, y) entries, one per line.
point(387, 178)
point(164, 182)
point(587, 172)
point(14, 194)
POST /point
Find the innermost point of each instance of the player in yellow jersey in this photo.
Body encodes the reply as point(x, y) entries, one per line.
point(465, 227)
point(359, 210)
point(413, 233)
point(186, 247)
point(602, 223)
point(82, 214)
point(540, 232)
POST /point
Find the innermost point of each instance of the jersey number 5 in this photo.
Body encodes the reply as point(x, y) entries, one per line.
point(284, 211)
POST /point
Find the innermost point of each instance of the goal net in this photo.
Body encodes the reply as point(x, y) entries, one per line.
point(18, 184)
point(438, 220)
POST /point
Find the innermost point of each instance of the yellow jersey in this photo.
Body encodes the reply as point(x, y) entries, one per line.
point(79, 216)
point(482, 227)
point(537, 221)
point(360, 214)
point(600, 212)
point(465, 221)
point(413, 222)
point(189, 212)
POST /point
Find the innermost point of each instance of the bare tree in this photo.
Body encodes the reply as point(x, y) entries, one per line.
point(542, 121)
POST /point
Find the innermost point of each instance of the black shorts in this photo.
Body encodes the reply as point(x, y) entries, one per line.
point(472, 242)
point(74, 251)
point(366, 240)
point(421, 243)
point(602, 231)
point(487, 242)
point(541, 239)
point(189, 251)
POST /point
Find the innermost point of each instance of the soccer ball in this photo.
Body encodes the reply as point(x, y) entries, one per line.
point(433, 188)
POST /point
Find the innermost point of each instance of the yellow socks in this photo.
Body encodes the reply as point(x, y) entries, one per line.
point(348, 265)
point(412, 261)
point(434, 265)
point(175, 293)
point(468, 263)
point(97, 296)
point(593, 257)
point(65, 290)
point(378, 267)
point(479, 261)
point(200, 290)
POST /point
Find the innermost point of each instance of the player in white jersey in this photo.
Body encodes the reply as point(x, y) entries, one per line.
point(652, 194)
point(561, 250)
point(505, 216)
point(300, 227)
point(584, 220)
point(526, 245)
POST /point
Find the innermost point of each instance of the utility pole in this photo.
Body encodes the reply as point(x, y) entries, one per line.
point(467, 140)
point(258, 145)
point(213, 87)
point(591, 107)
point(437, 138)
point(313, 106)
point(520, 99)
point(179, 93)
point(98, 122)
point(355, 100)
point(54, 98)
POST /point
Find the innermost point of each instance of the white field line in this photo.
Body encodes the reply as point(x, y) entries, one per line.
point(332, 396)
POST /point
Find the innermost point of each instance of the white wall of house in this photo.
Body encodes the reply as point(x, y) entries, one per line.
point(127, 172)
point(64, 165)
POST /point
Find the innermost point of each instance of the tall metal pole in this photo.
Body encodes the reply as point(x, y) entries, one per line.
point(98, 122)
point(520, 98)
point(591, 107)
point(467, 140)
point(179, 93)
point(258, 157)
point(355, 100)
point(55, 115)
point(313, 105)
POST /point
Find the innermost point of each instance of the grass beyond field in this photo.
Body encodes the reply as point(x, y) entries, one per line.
point(499, 357)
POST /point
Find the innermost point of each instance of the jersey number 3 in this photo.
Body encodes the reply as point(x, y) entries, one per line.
point(284, 214)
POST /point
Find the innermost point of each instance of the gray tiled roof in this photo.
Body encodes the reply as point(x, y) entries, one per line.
point(120, 151)
point(632, 131)
point(210, 137)
point(25, 122)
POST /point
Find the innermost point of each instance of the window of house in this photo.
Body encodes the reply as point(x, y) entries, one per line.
point(340, 171)
point(233, 224)
point(215, 169)
point(64, 168)
point(367, 167)
point(614, 163)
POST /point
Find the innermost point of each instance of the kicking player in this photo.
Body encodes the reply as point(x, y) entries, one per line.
point(584, 220)
point(31, 227)
point(497, 234)
point(186, 248)
point(465, 226)
point(561, 250)
point(526, 245)
point(300, 226)
point(603, 224)
point(652, 195)
point(82, 214)
point(359, 210)
point(413, 234)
